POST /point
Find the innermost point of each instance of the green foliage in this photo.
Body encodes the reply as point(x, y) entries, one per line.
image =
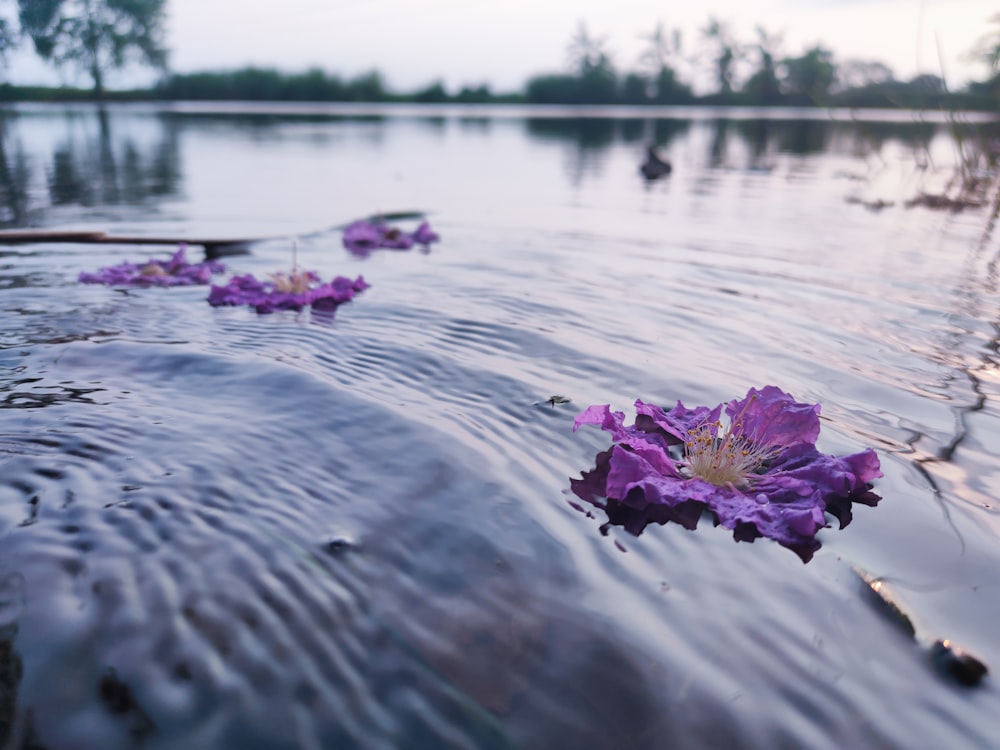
point(763, 87)
point(96, 35)
point(659, 61)
point(725, 53)
point(987, 49)
point(433, 94)
point(267, 84)
point(635, 89)
point(808, 78)
point(475, 95)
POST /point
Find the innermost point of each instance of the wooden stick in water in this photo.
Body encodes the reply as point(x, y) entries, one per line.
point(214, 248)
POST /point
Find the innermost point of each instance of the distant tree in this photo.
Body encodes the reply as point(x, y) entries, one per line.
point(857, 74)
point(928, 83)
point(367, 87)
point(726, 53)
point(432, 94)
point(659, 62)
point(763, 87)
point(474, 94)
point(8, 33)
point(257, 84)
point(597, 80)
point(808, 78)
point(987, 49)
point(552, 88)
point(588, 52)
point(635, 89)
point(96, 35)
point(314, 85)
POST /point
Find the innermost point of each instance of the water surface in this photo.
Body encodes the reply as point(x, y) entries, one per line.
point(354, 530)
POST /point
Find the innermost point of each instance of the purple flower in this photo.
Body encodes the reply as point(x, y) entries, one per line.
point(423, 235)
point(361, 237)
point(394, 238)
point(175, 271)
point(758, 473)
point(286, 292)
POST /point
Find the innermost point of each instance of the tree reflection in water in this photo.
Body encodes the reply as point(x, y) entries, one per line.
point(106, 169)
point(15, 178)
point(86, 162)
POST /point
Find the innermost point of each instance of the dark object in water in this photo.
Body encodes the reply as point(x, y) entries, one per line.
point(965, 668)
point(654, 167)
point(214, 248)
point(886, 604)
point(946, 203)
point(946, 657)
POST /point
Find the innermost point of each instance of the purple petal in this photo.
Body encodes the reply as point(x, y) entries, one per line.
point(677, 422)
point(362, 235)
point(771, 416)
point(175, 271)
point(424, 235)
point(394, 238)
point(265, 297)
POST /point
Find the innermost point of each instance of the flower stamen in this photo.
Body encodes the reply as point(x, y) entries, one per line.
point(724, 455)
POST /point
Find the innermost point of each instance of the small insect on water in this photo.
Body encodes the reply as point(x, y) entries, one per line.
point(553, 400)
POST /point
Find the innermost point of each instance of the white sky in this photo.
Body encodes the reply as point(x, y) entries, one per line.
point(504, 42)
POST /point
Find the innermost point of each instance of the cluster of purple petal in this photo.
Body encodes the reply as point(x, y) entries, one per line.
point(363, 236)
point(656, 469)
point(268, 296)
point(175, 271)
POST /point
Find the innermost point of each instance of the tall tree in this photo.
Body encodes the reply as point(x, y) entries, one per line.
point(762, 86)
point(597, 79)
point(856, 74)
point(8, 32)
point(96, 35)
point(987, 48)
point(659, 64)
point(726, 53)
point(810, 76)
point(587, 52)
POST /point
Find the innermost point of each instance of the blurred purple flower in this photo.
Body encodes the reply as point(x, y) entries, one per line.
point(286, 292)
point(175, 271)
point(424, 235)
point(361, 237)
point(758, 474)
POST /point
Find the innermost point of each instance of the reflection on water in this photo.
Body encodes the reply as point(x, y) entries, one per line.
point(225, 530)
point(92, 169)
point(81, 161)
point(82, 157)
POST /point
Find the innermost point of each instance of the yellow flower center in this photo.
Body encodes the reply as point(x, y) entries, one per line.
point(724, 455)
point(152, 269)
point(295, 282)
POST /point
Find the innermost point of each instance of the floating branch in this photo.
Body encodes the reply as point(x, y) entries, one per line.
point(946, 657)
point(214, 248)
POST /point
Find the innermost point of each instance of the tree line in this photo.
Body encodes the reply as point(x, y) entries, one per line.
point(97, 36)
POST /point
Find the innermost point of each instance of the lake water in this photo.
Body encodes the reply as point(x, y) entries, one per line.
point(225, 530)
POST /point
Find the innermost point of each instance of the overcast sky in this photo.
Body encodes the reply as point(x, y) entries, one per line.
point(503, 43)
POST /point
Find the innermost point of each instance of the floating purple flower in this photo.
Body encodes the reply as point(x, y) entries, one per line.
point(758, 474)
point(424, 235)
point(173, 272)
point(291, 291)
point(361, 237)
